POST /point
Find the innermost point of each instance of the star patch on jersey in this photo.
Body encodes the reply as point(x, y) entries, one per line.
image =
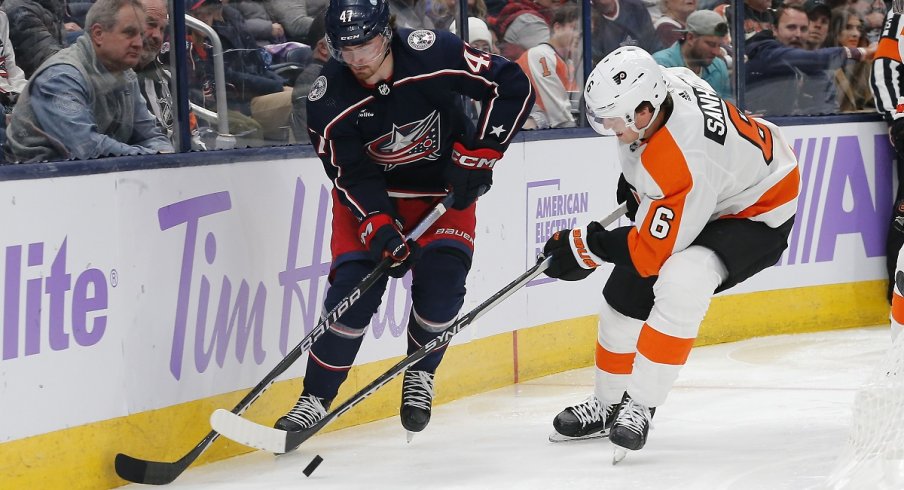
point(417, 140)
point(421, 39)
point(318, 88)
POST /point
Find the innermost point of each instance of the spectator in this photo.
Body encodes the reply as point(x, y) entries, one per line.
point(304, 82)
point(700, 51)
point(35, 29)
point(521, 25)
point(12, 80)
point(251, 86)
point(873, 20)
point(84, 101)
point(479, 35)
point(818, 15)
point(153, 80)
point(757, 16)
point(852, 79)
point(259, 23)
point(670, 26)
point(411, 14)
point(783, 78)
point(295, 16)
point(551, 76)
point(621, 23)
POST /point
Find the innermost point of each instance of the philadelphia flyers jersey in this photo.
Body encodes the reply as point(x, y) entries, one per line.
point(553, 81)
point(709, 161)
point(394, 139)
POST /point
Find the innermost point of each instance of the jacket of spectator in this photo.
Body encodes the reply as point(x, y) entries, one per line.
point(296, 16)
point(715, 74)
point(12, 79)
point(258, 21)
point(521, 25)
point(74, 108)
point(35, 29)
point(628, 24)
point(785, 80)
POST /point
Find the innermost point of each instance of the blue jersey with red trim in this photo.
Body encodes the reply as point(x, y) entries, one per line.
point(395, 139)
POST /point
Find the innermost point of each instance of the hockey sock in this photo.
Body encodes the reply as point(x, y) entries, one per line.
point(418, 335)
point(330, 359)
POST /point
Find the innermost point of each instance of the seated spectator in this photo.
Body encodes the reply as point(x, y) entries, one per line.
point(411, 14)
point(305, 80)
point(757, 16)
point(153, 80)
point(670, 26)
point(700, 51)
point(818, 15)
point(252, 88)
point(620, 23)
point(551, 76)
point(783, 78)
point(259, 23)
point(12, 79)
point(521, 25)
point(35, 29)
point(479, 35)
point(847, 29)
point(84, 102)
point(295, 16)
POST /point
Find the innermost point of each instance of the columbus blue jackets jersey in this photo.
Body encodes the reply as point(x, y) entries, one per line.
point(394, 139)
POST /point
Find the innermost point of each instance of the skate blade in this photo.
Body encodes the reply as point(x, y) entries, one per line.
point(556, 437)
point(409, 436)
point(618, 455)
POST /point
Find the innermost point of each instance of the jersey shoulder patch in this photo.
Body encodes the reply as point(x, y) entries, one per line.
point(421, 39)
point(318, 88)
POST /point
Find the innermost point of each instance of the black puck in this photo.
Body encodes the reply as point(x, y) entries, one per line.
point(312, 465)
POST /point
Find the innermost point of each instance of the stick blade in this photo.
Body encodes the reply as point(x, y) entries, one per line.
point(248, 433)
point(146, 472)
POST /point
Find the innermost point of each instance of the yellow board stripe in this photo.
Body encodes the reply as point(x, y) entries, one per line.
point(82, 457)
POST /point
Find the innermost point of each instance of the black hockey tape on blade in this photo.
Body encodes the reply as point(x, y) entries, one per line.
point(312, 465)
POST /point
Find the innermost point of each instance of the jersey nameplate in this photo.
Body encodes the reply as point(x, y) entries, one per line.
point(421, 39)
point(713, 118)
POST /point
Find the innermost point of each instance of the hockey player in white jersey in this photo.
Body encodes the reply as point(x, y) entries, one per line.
point(712, 193)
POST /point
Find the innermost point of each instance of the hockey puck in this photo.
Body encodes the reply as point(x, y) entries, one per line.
point(312, 465)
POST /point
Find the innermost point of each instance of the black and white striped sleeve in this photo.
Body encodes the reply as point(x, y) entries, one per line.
point(887, 76)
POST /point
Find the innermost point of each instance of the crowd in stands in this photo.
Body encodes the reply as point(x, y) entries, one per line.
point(84, 79)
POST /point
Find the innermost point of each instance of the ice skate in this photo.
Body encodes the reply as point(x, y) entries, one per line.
point(630, 428)
point(586, 420)
point(417, 401)
point(308, 410)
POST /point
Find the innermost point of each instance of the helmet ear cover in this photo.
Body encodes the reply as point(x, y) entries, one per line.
point(619, 84)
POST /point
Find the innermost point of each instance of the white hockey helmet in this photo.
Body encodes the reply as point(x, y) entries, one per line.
point(619, 83)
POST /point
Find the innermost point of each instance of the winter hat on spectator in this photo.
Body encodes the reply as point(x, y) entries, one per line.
point(706, 23)
point(477, 31)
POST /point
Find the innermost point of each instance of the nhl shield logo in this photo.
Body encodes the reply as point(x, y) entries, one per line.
point(421, 39)
point(318, 88)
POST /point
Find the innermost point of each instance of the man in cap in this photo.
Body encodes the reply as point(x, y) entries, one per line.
point(700, 50)
point(819, 14)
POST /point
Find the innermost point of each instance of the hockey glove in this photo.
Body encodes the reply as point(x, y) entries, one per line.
point(572, 259)
point(896, 135)
point(625, 193)
point(382, 235)
point(470, 173)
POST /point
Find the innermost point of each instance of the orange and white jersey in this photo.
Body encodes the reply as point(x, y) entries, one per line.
point(552, 80)
point(709, 161)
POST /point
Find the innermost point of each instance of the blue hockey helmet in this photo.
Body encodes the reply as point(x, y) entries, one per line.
point(355, 22)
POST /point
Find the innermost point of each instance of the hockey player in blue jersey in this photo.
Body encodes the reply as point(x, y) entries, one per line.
point(385, 118)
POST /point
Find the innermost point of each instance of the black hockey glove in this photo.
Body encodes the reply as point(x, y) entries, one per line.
point(625, 193)
point(470, 173)
point(572, 258)
point(382, 235)
point(896, 135)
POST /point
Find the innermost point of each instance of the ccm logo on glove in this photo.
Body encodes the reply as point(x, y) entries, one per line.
point(475, 159)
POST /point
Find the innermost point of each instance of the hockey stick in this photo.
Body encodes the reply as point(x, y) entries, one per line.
point(163, 472)
point(279, 441)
